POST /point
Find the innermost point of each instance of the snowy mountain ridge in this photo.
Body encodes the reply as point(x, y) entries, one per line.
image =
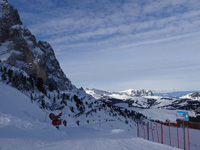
point(188, 102)
point(137, 93)
point(127, 94)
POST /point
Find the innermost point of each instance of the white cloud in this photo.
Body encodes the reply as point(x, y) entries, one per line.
point(123, 40)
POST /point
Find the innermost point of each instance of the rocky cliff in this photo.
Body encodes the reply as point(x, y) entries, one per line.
point(19, 48)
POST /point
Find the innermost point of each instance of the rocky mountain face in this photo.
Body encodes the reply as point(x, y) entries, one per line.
point(19, 48)
point(137, 93)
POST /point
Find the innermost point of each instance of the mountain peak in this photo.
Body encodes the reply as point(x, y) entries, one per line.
point(8, 17)
point(19, 48)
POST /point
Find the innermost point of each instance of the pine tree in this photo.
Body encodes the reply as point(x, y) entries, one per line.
point(72, 109)
point(43, 104)
point(54, 100)
point(39, 84)
point(3, 76)
point(5, 70)
point(31, 98)
point(51, 87)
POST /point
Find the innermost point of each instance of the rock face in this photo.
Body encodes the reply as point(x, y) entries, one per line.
point(19, 48)
point(9, 17)
point(137, 93)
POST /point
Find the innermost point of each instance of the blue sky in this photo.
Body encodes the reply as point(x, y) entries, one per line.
point(120, 44)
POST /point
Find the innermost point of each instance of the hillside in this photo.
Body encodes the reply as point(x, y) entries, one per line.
point(24, 126)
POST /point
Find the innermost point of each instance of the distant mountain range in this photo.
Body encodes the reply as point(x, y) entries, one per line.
point(121, 95)
point(145, 99)
point(173, 93)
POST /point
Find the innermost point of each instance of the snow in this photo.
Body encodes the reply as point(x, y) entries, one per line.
point(122, 97)
point(189, 96)
point(24, 126)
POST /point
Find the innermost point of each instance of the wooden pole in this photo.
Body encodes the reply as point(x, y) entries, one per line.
point(152, 132)
point(157, 133)
point(169, 134)
point(188, 136)
point(144, 132)
point(184, 135)
point(177, 133)
point(161, 133)
point(148, 131)
point(137, 129)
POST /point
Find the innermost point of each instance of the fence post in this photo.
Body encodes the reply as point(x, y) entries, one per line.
point(137, 129)
point(157, 133)
point(177, 133)
point(161, 133)
point(169, 133)
point(148, 131)
point(188, 135)
point(152, 132)
point(184, 134)
point(144, 132)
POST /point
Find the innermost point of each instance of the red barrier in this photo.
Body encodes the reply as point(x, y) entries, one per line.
point(157, 133)
point(177, 133)
point(169, 134)
point(152, 132)
point(188, 136)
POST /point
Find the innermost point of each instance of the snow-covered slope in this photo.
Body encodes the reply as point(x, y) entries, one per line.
point(24, 126)
point(19, 118)
point(194, 96)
